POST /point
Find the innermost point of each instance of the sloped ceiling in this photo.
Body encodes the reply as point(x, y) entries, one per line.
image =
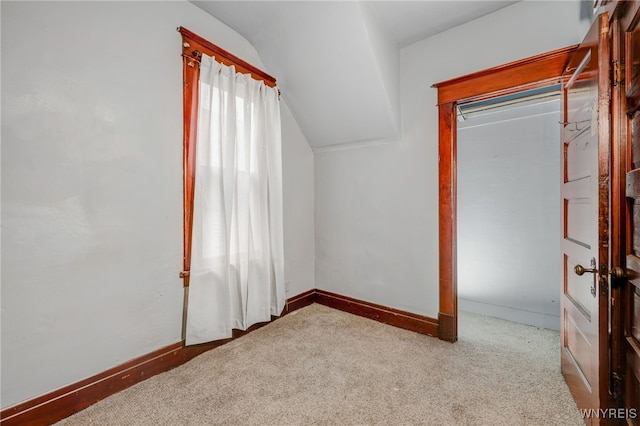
point(338, 63)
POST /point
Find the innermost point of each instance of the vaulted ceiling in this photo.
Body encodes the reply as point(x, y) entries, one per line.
point(338, 63)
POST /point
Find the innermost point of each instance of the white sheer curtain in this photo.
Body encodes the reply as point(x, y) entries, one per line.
point(237, 266)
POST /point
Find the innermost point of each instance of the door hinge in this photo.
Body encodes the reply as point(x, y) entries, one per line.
point(618, 73)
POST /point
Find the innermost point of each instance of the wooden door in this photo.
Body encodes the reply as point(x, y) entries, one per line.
point(585, 208)
point(627, 351)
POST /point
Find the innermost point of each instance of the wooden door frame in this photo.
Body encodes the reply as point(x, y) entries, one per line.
point(529, 73)
point(624, 17)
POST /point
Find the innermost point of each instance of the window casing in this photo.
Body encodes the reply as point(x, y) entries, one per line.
point(193, 46)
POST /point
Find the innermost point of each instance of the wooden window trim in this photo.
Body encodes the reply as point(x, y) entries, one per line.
point(193, 47)
point(529, 73)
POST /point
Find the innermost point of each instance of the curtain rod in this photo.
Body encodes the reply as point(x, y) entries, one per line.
point(193, 44)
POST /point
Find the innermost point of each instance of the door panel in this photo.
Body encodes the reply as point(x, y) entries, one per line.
point(635, 316)
point(630, 214)
point(631, 290)
point(578, 216)
point(585, 192)
point(635, 141)
point(576, 290)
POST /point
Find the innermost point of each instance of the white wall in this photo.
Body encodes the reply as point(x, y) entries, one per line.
point(509, 259)
point(298, 184)
point(377, 207)
point(92, 186)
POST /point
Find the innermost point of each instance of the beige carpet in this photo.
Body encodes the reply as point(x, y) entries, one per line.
point(325, 367)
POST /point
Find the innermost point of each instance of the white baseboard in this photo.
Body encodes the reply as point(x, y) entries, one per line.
point(537, 319)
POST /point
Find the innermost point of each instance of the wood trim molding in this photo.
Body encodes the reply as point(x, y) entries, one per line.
point(191, 79)
point(62, 403)
point(447, 327)
point(193, 46)
point(448, 241)
point(201, 45)
point(536, 71)
point(70, 399)
point(390, 316)
point(300, 301)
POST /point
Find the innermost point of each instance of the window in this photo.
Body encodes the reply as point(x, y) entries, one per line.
point(193, 46)
point(233, 218)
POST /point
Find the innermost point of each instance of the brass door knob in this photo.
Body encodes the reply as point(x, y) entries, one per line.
point(580, 270)
point(618, 273)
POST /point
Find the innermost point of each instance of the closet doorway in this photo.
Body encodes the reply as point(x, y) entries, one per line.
point(531, 73)
point(508, 207)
